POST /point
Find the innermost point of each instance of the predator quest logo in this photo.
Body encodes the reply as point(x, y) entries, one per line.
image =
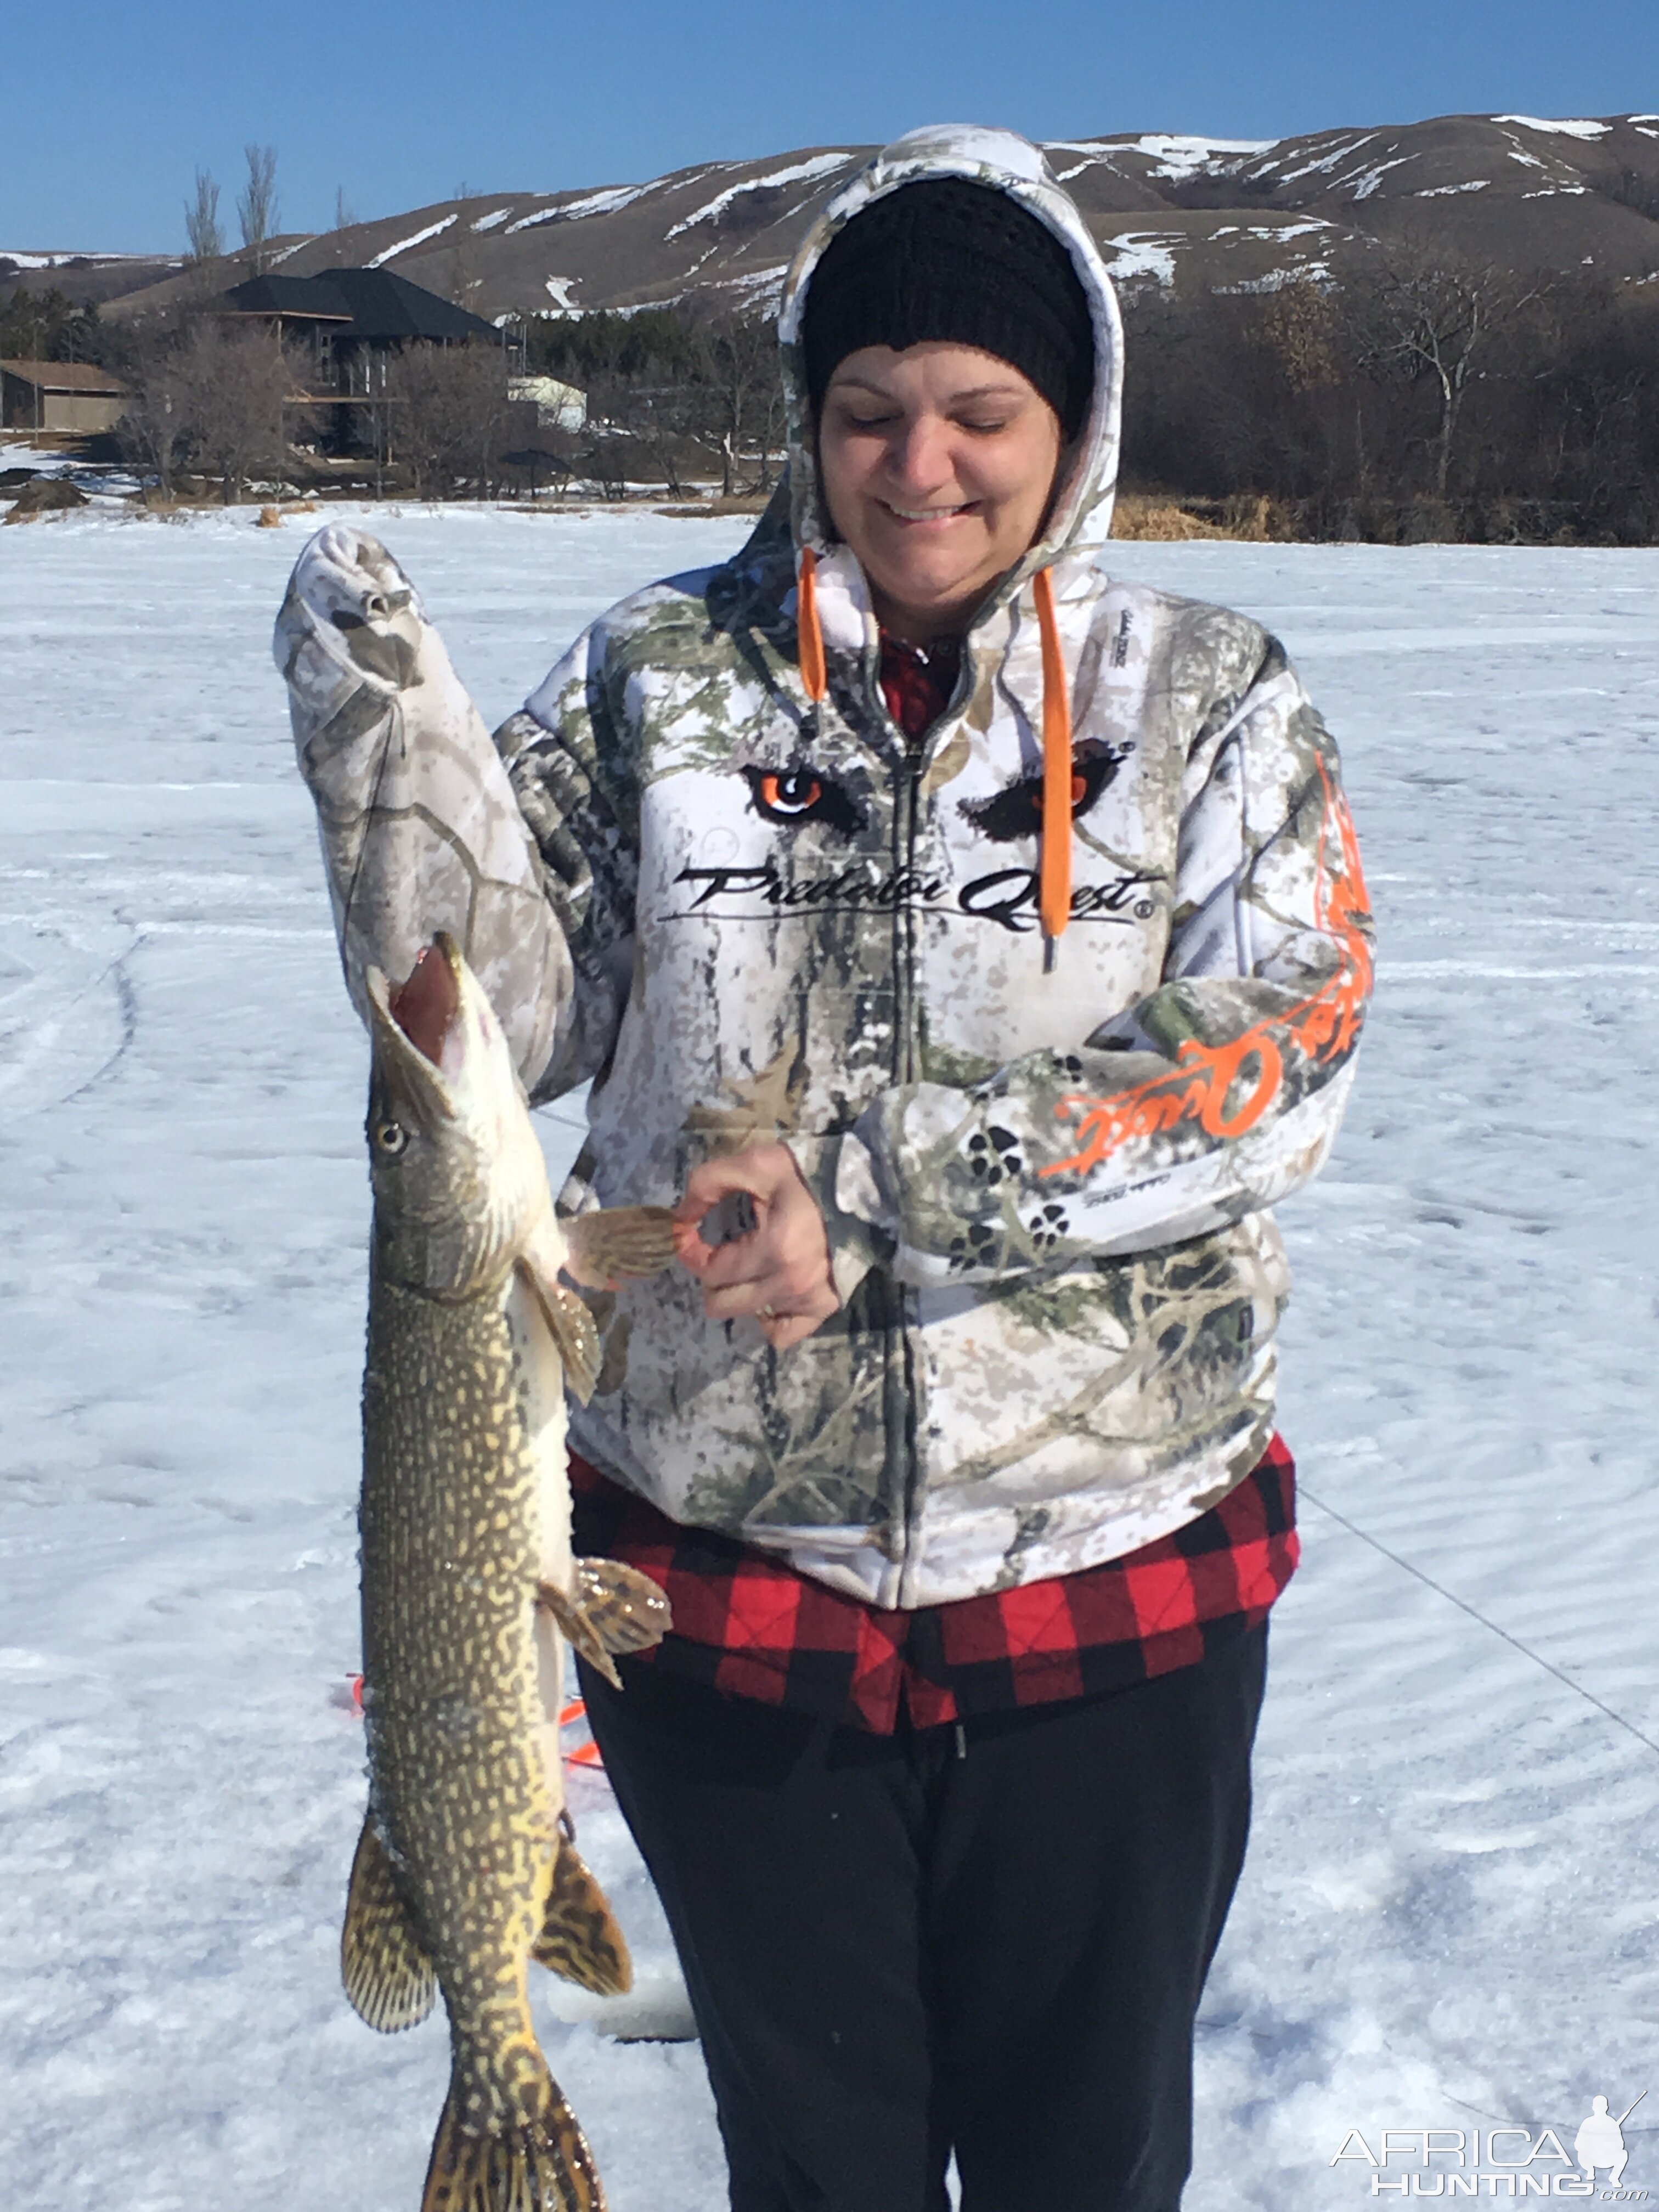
point(794, 797)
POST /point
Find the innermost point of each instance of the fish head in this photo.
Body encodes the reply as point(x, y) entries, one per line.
point(460, 1183)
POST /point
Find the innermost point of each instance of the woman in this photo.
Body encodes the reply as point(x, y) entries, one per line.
point(971, 948)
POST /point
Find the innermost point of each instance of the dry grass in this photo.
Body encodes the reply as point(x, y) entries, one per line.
point(1255, 520)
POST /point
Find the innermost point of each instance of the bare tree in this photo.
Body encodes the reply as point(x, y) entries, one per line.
point(256, 203)
point(152, 426)
point(449, 418)
point(1432, 312)
point(232, 391)
point(738, 395)
point(345, 215)
point(206, 239)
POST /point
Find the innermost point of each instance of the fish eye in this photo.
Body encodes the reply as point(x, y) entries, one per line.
point(390, 1137)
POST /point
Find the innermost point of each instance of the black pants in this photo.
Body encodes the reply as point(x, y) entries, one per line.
point(897, 1948)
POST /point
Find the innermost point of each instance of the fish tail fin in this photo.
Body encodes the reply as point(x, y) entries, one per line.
point(580, 1938)
point(541, 2163)
point(387, 1975)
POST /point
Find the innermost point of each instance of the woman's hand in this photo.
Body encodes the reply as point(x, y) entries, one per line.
point(780, 1271)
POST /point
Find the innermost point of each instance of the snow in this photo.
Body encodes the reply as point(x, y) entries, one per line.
point(488, 221)
point(1278, 232)
point(1326, 162)
point(1448, 1915)
point(761, 289)
point(1144, 253)
point(1182, 156)
point(408, 245)
point(820, 165)
point(1373, 177)
point(559, 289)
point(1443, 192)
point(1562, 130)
point(605, 202)
point(99, 259)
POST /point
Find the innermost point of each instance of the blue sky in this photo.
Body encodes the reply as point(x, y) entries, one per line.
point(108, 109)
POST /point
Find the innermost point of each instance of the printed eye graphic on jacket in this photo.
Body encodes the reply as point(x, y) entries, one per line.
point(794, 795)
point(1016, 812)
point(788, 885)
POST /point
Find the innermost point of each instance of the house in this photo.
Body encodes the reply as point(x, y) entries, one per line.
point(349, 319)
point(68, 396)
point(346, 325)
point(558, 406)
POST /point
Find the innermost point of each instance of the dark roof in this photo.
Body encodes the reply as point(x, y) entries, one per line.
point(66, 376)
point(375, 303)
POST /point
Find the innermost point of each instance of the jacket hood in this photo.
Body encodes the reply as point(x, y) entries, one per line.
point(1007, 163)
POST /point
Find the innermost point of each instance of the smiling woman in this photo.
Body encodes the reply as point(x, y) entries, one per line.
point(971, 949)
point(949, 361)
point(938, 466)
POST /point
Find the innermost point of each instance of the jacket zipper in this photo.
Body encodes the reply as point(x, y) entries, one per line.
point(902, 1440)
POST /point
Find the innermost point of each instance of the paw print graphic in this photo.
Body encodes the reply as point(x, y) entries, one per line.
point(1048, 1227)
point(993, 1155)
point(978, 1249)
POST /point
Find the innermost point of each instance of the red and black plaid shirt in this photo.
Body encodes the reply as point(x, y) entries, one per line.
point(747, 1624)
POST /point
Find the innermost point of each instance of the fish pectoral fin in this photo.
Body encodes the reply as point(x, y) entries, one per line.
point(388, 1977)
point(572, 1328)
point(580, 1938)
point(627, 1610)
point(619, 1244)
point(611, 1608)
point(578, 1630)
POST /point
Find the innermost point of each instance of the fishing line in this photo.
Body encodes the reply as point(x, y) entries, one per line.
point(1451, 1596)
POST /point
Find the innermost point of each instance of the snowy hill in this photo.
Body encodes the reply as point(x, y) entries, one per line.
point(1528, 191)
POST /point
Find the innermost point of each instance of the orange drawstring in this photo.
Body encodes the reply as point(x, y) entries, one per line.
point(1055, 883)
point(809, 636)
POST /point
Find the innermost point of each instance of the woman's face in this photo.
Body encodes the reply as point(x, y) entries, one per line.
point(938, 465)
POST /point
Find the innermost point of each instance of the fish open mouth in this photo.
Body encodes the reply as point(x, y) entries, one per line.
point(427, 1004)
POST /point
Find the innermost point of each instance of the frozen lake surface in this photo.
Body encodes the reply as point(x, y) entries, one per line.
point(1448, 1916)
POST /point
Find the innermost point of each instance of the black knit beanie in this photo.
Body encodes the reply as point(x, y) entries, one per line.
point(949, 259)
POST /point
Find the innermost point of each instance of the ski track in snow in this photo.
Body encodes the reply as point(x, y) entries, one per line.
point(1448, 1917)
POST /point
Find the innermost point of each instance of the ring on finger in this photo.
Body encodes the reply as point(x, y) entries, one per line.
point(766, 1313)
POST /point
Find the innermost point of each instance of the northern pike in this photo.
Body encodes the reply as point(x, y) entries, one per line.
point(466, 1868)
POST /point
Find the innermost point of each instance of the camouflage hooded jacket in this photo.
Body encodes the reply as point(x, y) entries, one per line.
point(744, 914)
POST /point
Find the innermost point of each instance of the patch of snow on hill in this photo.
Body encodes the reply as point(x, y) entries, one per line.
point(821, 165)
point(1562, 130)
point(23, 260)
point(1145, 254)
point(408, 245)
point(529, 222)
point(489, 222)
point(1372, 178)
point(759, 288)
point(1326, 162)
point(1181, 157)
point(605, 202)
point(1443, 192)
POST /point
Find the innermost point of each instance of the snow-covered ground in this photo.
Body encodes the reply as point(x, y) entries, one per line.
point(1450, 1913)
